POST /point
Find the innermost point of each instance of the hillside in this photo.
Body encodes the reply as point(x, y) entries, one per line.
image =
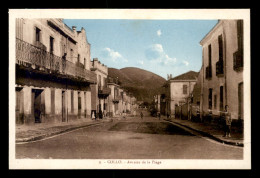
point(143, 84)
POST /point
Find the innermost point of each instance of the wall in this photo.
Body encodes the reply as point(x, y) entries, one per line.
point(176, 92)
point(231, 78)
point(26, 30)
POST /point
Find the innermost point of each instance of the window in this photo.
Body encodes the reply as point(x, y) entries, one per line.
point(215, 101)
point(220, 49)
point(185, 87)
point(51, 44)
point(240, 34)
point(99, 80)
point(208, 68)
point(210, 98)
point(209, 53)
point(37, 34)
point(221, 98)
point(78, 58)
point(105, 81)
point(240, 100)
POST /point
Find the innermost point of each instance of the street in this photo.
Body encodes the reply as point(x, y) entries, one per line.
point(130, 138)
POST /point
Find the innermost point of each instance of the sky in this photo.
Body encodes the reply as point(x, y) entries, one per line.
point(160, 46)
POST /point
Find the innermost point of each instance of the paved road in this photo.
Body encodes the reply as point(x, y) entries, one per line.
point(131, 138)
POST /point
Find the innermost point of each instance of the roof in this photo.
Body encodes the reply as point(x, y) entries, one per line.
point(191, 75)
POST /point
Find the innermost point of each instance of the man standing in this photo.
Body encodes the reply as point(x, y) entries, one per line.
point(141, 114)
point(228, 120)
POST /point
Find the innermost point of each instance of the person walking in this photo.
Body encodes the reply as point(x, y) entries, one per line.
point(93, 115)
point(141, 114)
point(227, 124)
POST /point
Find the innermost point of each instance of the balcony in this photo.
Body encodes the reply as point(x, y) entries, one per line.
point(36, 58)
point(103, 91)
point(238, 61)
point(219, 68)
point(208, 72)
point(116, 99)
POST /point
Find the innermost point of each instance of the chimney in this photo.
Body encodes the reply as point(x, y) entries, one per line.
point(74, 28)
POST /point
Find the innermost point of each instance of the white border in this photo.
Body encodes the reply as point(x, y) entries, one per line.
point(152, 14)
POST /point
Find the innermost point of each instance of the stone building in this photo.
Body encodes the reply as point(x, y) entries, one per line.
point(180, 88)
point(101, 91)
point(222, 69)
point(115, 98)
point(53, 74)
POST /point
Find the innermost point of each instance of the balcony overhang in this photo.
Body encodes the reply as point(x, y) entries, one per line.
point(36, 60)
point(52, 75)
point(104, 92)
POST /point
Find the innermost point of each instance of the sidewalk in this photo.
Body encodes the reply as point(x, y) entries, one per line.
point(211, 131)
point(38, 131)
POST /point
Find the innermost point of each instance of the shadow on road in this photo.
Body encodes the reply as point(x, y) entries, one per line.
point(150, 128)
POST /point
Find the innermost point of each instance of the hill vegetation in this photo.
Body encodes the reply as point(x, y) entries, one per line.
point(141, 83)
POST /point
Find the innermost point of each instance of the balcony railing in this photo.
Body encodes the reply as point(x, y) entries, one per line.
point(208, 72)
point(104, 90)
point(238, 61)
point(219, 68)
point(116, 99)
point(37, 58)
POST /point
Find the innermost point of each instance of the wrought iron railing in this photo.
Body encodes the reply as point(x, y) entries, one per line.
point(117, 98)
point(219, 68)
point(38, 58)
point(103, 90)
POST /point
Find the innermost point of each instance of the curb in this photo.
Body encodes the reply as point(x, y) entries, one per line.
point(40, 137)
point(209, 135)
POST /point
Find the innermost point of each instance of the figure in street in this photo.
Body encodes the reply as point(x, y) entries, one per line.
point(93, 116)
point(159, 115)
point(142, 115)
point(227, 124)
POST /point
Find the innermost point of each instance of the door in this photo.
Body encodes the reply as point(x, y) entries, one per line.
point(18, 105)
point(63, 107)
point(36, 96)
point(240, 100)
point(85, 104)
point(79, 105)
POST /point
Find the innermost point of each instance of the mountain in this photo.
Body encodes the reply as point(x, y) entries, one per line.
point(143, 84)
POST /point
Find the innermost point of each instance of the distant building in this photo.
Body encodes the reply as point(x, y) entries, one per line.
point(119, 101)
point(180, 90)
point(53, 74)
point(222, 69)
point(115, 98)
point(101, 91)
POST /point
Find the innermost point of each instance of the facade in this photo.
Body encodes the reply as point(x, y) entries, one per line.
point(100, 91)
point(115, 98)
point(119, 101)
point(53, 74)
point(222, 69)
point(181, 88)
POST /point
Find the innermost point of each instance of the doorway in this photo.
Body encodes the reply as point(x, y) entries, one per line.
point(240, 100)
point(37, 105)
point(79, 105)
point(64, 116)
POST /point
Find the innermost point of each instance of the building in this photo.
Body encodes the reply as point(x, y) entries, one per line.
point(222, 69)
point(101, 91)
point(180, 90)
point(53, 74)
point(115, 97)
